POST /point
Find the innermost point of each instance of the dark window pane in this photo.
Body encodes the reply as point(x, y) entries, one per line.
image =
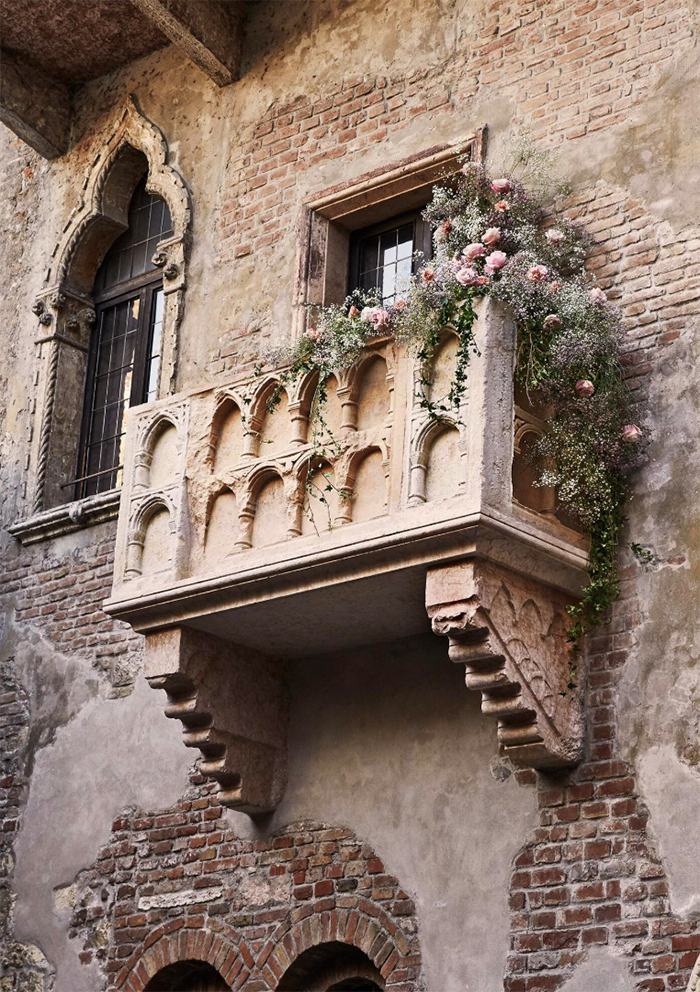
point(123, 331)
point(385, 261)
point(130, 255)
point(113, 345)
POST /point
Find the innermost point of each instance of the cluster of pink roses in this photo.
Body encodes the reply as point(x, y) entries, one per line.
point(378, 316)
point(630, 432)
point(467, 273)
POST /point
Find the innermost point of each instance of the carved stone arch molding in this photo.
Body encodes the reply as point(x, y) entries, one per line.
point(64, 308)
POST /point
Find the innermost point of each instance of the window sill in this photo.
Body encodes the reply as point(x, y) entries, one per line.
point(66, 519)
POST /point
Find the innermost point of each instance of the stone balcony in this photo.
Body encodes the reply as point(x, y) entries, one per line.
point(228, 564)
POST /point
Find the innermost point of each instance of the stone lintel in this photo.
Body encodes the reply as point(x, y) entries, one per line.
point(233, 707)
point(36, 108)
point(509, 632)
point(209, 32)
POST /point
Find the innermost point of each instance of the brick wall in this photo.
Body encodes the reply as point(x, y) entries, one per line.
point(18, 963)
point(568, 70)
point(177, 884)
point(61, 595)
point(589, 875)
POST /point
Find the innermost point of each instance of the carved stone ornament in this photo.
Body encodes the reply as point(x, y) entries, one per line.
point(510, 634)
point(233, 706)
point(132, 145)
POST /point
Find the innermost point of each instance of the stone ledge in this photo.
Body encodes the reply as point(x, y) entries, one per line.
point(67, 518)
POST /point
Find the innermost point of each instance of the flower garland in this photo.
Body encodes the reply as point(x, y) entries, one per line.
point(490, 239)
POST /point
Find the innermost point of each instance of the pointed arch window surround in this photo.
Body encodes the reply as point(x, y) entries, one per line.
point(125, 345)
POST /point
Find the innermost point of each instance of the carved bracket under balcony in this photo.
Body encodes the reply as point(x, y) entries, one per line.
point(510, 634)
point(233, 706)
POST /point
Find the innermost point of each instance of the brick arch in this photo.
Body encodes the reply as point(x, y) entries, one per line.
point(224, 950)
point(366, 927)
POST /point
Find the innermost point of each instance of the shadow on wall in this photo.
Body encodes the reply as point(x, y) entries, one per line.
point(388, 740)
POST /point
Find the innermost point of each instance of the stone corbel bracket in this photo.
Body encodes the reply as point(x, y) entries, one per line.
point(233, 706)
point(510, 634)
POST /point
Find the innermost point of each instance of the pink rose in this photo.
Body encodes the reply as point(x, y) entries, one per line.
point(468, 167)
point(501, 206)
point(353, 312)
point(630, 432)
point(552, 322)
point(492, 236)
point(500, 186)
point(496, 260)
point(554, 236)
point(473, 251)
point(483, 281)
point(467, 276)
point(584, 387)
point(537, 273)
point(314, 333)
point(596, 295)
point(555, 286)
point(427, 275)
point(381, 319)
point(399, 305)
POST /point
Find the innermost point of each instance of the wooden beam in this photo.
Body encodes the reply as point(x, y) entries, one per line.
point(209, 32)
point(36, 108)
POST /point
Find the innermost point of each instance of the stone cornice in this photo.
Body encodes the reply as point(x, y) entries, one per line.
point(68, 518)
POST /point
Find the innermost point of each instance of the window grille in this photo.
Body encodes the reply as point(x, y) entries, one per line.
point(125, 348)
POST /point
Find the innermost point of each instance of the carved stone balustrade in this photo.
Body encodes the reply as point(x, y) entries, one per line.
point(289, 533)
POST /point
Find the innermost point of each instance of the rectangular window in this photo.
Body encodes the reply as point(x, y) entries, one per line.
point(383, 257)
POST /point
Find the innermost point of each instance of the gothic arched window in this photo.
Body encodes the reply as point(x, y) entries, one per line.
point(125, 346)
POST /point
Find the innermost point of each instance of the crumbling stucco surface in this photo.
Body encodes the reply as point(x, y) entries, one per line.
point(112, 754)
point(389, 742)
point(601, 970)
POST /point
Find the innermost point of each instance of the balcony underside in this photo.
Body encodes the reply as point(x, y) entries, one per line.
point(321, 594)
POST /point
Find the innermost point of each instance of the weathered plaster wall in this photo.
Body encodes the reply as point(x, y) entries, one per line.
point(387, 741)
point(112, 754)
point(626, 121)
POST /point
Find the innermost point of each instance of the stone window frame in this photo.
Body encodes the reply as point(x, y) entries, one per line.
point(329, 217)
point(65, 312)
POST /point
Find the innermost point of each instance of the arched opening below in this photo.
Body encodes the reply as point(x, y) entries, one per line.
point(329, 967)
point(321, 499)
point(356, 984)
point(187, 976)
